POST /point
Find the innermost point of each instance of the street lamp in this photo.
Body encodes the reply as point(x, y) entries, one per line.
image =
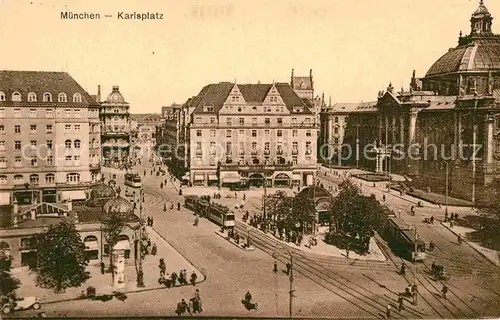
point(140, 273)
point(357, 145)
point(447, 183)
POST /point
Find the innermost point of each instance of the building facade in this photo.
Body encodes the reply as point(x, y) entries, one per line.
point(115, 130)
point(146, 126)
point(46, 131)
point(304, 88)
point(443, 119)
point(259, 133)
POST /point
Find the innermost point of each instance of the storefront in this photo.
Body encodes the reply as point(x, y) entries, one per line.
point(26, 197)
point(49, 195)
point(213, 180)
point(230, 178)
point(281, 180)
point(296, 178)
point(198, 179)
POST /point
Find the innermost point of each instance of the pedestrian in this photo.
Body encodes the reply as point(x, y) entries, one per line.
point(388, 311)
point(288, 268)
point(383, 199)
point(103, 267)
point(184, 275)
point(162, 267)
point(194, 277)
point(152, 220)
point(444, 291)
point(347, 253)
point(154, 250)
point(399, 213)
point(400, 303)
point(173, 278)
point(275, 267)
point(403, 269)
point(164, 207)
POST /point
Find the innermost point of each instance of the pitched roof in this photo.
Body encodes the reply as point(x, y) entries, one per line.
point(41, 82)
point(216, 95)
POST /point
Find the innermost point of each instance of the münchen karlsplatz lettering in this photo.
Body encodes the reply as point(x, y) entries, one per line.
point(67, 15)
point(140, 16)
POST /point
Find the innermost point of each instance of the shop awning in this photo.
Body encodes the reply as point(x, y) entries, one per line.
point(199, 176)
point(231, 177)
point(296, 176)
point(73, 195)
point(212, 177)
point(91, 245)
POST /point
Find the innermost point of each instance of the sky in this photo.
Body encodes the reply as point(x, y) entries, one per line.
point(354, 47)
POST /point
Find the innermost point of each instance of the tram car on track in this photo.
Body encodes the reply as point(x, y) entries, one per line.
point(133, 180)
point(201, 208)
point(191, 201)
point(403, 240)
point(221, 215)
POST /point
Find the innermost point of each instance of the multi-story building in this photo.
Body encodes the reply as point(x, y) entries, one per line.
point(115, 131)
point(146, 126)
point(167, 110)
point(46, 153)
point(333, 124)
point(261, 133)
point(440, 121)
point(304, 88)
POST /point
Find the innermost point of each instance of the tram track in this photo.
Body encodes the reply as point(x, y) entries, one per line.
point(339, 285)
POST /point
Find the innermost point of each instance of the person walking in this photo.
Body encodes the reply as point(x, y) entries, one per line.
point(198, 298)
point(444, 291)
point(162, 267)
point(388, 311)
point(403, 269)
point(275, 267)
point(152, 221)
point(400, 303)
point(154, 249)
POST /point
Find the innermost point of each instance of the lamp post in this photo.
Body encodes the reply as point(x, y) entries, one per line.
point(415, 272)
point(447, 183)
point(357, 145)
point(140, 273)
point(291, 291)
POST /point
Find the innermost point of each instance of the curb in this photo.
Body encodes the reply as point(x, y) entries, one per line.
point(251, 248)
point(468, 243)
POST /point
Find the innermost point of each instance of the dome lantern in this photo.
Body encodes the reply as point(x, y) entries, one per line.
point(481, 21)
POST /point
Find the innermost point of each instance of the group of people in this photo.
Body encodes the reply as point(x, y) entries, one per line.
point(194, 306)
point(171, 280)
point(150, 221)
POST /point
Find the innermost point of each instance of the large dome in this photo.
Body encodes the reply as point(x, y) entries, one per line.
point(115, 96)
point(119, 206)
point(315, 192)
point(102, 190)
point(482, 54)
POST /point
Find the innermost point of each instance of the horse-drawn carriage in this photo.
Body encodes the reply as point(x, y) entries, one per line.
point(438, 272)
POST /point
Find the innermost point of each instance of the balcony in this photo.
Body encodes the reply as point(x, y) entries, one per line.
point(116, 144)
point(259, 166)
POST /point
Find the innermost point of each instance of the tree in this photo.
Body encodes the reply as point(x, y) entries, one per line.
point(61, 258)
point(489, 207)
point(112, 227)
point(303, 210)
point(355, 217)
point(8, 284)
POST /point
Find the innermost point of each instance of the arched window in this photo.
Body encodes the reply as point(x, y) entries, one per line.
point(72, 178)
point(90, 239)
point(16, 96)
point(3, 180)
point(47, 97)
point(67, 144)
point(2, 96)
point(18, 179)
point(34, 179)
point(31, 97)
point(77, 144)
point(49, 178)
point(77, 97)
point(62, 97)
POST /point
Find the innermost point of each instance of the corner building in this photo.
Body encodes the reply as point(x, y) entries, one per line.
point(259, 133)
point(46, 121)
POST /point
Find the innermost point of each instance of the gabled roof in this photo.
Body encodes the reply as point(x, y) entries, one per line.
point(41, 82)
point(216, 94)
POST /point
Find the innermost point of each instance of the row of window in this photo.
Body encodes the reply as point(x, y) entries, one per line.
point(35, 178)
point(46, 97)
point(49, 113)
point(229, 121)
point(242, 160)
point(268, 109)
point(68, 128)
point(48, 144)
point(229, 133)
point(49, 161)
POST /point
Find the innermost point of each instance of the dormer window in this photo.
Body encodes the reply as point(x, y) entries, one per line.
point(62, 97)
point(47, 97)
point(31, 97)
point(16, 96)
point(2, 96)
point(208, 109)
point(77, 97)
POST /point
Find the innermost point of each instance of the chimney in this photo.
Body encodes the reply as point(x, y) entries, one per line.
point(311, 73)
point(292, 81)
point(99, 94)
point(33, 213)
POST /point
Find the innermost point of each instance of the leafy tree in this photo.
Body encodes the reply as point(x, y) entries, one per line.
point(112, 226)
point(303, 210)
point(355, 217)
point(8, 284)
point(489, 207)
point(61, 258)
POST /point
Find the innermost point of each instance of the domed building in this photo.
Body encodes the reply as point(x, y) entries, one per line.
point(437, 120)
point(115, 131)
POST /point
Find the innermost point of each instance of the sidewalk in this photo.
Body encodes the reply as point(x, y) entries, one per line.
point(103, 283)
point(492, 255)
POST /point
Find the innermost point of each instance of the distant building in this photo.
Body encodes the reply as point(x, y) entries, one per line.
point(48, 126)
point(146, 126)
point(115, 133)
point(172, 131)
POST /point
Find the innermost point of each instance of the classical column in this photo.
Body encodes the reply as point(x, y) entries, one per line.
point(413, 125)
point(401, 129)
point(489, 119)
point(330, 129)
point(393, 130)
point(458, 144)
point(380, 124)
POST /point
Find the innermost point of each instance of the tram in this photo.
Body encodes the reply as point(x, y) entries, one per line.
point(191, 201)
point(221, 215)
point(404, 241)
point(201, 208)
point(133, 180)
